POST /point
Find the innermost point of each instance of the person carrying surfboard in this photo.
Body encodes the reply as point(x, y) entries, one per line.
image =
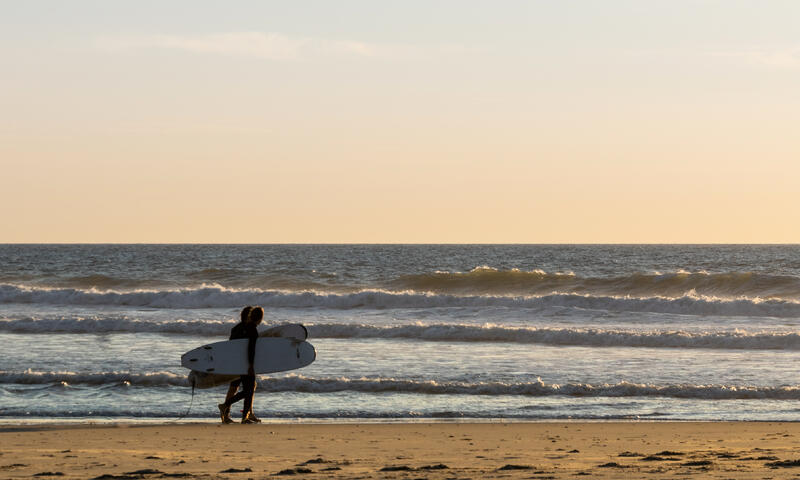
point(225, 412)
point(247, 328)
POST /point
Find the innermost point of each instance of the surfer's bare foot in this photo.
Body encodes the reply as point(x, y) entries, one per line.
point(225, 413)
point(248, 420)
point(253, 418)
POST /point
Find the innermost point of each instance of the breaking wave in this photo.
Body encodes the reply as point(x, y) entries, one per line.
point(151, 379)
point(480, 281)
point(174, 415)
point(114, 324)
point(323, 385)
point(299, 383)
point(220, 297)
point(565, 336)
point(596, 337)
point(490, 281)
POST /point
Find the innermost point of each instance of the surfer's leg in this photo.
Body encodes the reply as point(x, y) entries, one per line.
point(250, 414)
point(238, 396)
point(248, 389)
point(253, 396)
point(232, 390)
point(225, 407)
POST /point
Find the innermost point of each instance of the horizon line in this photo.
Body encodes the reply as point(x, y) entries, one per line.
point(418, 243)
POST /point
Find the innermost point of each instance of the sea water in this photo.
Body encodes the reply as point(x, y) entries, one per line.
point(516, 332)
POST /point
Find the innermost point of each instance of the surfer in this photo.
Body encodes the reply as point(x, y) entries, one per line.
point(246, 328)
point(225, 412)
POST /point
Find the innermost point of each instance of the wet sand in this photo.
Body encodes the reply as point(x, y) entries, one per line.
point(408, 451)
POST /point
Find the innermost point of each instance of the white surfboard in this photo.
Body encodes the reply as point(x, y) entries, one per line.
point(230, 357)
point(295, 331)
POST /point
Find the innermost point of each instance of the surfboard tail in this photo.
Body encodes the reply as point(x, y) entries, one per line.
point(295, 331)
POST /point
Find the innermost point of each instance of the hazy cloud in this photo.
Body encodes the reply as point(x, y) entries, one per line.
point(272, 46)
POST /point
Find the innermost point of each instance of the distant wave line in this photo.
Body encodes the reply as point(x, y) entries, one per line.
point(219, 297)
point(480, 281)
point(324, 385)
point(592, 337)
point(486, 280)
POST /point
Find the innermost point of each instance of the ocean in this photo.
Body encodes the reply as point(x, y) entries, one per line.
point(408, 332)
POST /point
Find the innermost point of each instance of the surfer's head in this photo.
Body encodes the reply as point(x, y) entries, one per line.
point(256, 314)
point(245, 316)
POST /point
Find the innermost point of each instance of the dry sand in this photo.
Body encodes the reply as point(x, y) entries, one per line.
point(412, 450)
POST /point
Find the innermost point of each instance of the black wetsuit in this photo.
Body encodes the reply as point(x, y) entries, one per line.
point(248, 382)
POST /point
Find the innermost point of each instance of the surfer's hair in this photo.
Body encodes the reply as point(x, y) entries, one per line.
point(256, 314)
point(245, 316)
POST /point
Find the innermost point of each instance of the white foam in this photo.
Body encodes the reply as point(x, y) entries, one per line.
point(299, 383)
point(737, 339)
point(324, 385)
point(150, 379)
point(113, 324)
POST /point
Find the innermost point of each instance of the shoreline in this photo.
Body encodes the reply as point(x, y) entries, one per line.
point(434, 450)
point(165, 422)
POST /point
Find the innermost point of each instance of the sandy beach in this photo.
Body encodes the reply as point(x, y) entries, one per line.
point(418, 450)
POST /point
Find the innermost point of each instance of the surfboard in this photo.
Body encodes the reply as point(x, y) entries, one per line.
point(230, 357)
point(296, 331)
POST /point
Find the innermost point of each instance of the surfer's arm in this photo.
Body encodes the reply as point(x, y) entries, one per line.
point(251, 353)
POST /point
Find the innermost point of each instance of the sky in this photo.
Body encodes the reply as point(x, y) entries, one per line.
point(400, 122)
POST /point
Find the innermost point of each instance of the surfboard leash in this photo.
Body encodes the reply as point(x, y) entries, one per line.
point(191, 402)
